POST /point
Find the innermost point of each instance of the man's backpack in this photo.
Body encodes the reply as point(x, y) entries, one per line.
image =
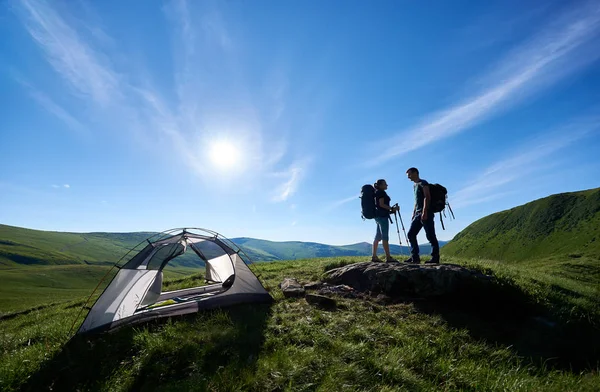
point(367, 202)
point(439, 197)
point(439, 201)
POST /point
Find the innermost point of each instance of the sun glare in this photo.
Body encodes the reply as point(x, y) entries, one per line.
point(223, 155)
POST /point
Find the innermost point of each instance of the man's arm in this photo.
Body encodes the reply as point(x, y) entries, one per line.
point(426, 201)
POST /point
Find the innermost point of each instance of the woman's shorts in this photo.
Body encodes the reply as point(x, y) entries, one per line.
point(383, 229)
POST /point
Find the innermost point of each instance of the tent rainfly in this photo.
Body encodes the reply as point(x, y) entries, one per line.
point(134, 295)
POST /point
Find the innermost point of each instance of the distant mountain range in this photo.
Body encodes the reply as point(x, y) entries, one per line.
point(21, 246)
point(263, 250)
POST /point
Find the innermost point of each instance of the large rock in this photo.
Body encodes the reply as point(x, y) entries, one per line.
point(398, 279)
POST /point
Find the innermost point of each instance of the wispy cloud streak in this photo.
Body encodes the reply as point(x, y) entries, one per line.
point(492, 183)
point(50, 106)
point(210, 105)
point(87, 71)
point(533, 66)
point(289, 186)
point(339, 203)
point(58, 111)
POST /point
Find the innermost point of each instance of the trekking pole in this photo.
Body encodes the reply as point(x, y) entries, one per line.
point(398, 231)
point(400, 215)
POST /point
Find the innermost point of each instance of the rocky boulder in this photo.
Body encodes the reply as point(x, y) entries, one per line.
point(400, 279)
point(291, 288)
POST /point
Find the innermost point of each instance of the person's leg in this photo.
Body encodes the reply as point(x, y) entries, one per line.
point(429, 227)
point(415, 227)
point(375, 246)
point(378, 237)
point(385, 237)
point(386, 248)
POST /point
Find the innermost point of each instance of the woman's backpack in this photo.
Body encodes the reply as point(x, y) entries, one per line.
point(367, 202)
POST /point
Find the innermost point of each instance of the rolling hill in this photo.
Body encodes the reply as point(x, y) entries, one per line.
point(21, 246)
point(557, 226)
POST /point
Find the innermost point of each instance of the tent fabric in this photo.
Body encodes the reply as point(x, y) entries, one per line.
point(134, 295)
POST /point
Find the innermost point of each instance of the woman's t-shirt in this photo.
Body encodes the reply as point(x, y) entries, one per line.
point(383, 212)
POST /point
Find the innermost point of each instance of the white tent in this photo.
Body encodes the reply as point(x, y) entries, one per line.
point(135, 293)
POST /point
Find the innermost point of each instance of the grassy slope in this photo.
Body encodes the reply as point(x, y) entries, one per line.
point(25, 246)
point(366, 345)
point(566, 224)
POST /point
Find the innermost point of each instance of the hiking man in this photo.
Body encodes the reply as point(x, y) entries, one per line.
point(382, 218)
point(421, 218)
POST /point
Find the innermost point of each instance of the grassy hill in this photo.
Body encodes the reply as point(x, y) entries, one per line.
point(534, 334)
point(560, 226)
point(20, 246)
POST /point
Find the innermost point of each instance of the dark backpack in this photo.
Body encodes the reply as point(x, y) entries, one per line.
point(439, 201)
point(439, 197)
point(367, 202)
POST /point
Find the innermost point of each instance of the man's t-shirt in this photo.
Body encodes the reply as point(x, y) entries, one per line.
point(419, 195)
point(383, 212)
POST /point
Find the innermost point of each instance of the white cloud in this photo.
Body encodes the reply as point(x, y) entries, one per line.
point(53, 108)
point(67, 186)
point(286, 189)
point(341, 202)
point(533, 66)
point(492, 182)
point(185, 126)
point(85, 70)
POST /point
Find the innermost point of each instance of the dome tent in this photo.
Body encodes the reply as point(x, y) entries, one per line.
point(135, 294)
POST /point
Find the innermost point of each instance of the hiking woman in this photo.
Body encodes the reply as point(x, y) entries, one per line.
point(382, 218)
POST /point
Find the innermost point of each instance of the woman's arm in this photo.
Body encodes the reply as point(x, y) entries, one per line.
point(382, 204)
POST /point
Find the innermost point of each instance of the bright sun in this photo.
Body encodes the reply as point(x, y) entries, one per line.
point(223, 154)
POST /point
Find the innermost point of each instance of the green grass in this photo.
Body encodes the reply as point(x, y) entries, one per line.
point(27, 287)
point(491, 342)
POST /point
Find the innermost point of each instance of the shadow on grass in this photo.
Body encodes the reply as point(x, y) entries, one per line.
point(503, 313)
point(207, 341)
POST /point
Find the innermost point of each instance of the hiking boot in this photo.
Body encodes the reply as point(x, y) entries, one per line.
point(413, 260)
point(391, 260)
point(434, 260)
point(376, 260)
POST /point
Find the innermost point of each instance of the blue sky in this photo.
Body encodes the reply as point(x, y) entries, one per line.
point(125, 116)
